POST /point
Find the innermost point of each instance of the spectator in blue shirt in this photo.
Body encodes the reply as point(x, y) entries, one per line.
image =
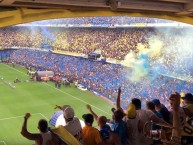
point(119, 126)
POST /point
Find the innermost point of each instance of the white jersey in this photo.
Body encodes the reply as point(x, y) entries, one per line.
point(133, 127)
point(74, 126)
point(46, 137)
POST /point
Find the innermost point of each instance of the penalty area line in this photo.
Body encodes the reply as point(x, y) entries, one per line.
point(77, 98)
point(43, 116)
point(63, 92)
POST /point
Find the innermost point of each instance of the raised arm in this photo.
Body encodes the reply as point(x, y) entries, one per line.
point(91, 111)
point(24, 131)
point(118, 102)
point(58, 107)
point(175, 104)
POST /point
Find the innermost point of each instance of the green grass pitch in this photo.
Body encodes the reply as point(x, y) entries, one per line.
point(38, 98)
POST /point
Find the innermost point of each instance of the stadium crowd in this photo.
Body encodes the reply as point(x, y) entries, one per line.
point(102, 78)
point(77, 40)
point(126, 127)
point(102, 21)
point(112, 43)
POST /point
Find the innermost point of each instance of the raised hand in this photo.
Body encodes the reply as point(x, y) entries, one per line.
point(175, 101)
point(88, 107)
point(58, 107)
point(27, 115)
point(119, 90)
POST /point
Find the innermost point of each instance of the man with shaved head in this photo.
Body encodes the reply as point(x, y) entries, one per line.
point(101, 120)
point(106, 133)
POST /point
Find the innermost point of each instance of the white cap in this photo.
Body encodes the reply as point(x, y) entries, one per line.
point(68, 112)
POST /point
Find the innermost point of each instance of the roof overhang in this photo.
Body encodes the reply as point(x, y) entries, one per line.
point(21, 11)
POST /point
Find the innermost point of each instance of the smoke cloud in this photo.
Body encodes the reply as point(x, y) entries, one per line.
point(169, 52)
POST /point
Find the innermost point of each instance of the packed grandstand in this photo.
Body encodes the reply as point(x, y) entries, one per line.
point(103, 21)
point(167, 69)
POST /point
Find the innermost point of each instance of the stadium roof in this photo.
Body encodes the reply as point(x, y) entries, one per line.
point(179, 7)
point(21, 11)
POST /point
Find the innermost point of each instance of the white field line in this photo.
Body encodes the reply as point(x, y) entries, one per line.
point(3, 142)
point(43, 116)
point(14, 117)
point(62, 91)
point(76, 98)
point(20, 117)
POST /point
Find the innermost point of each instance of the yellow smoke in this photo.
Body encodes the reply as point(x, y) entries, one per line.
point(136, 64)
point(154, 49)
point(138, 71)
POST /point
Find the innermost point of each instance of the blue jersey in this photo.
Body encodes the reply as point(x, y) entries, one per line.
point(121, 130)
point(105, 132)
